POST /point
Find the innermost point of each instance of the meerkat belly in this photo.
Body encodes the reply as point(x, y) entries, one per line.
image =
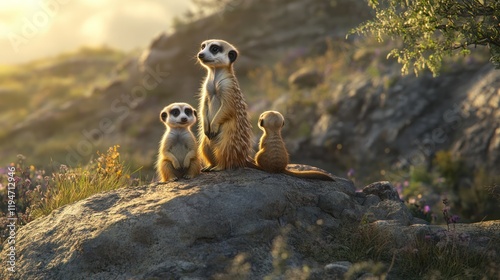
point(213, 108)
point(180, 150)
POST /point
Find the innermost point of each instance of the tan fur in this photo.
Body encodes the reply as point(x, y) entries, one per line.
point(225, 132)
point(272, 155)
point(177, 154)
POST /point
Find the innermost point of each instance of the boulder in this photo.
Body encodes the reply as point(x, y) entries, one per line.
point(305, 78)
point(214, 225)
point(240, 224)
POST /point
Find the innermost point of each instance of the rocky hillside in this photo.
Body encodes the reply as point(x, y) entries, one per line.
point(407, 123)
point(369, 117)
point(131, 106)
point(244, 224)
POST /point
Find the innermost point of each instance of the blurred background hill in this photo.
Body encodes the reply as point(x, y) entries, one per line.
point(347, 108)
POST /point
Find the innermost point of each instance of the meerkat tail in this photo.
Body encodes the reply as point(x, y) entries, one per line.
point(309, 175)
point(251, 164)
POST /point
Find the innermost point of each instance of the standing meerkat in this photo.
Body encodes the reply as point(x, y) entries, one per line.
point(272, 155)
point(177, 155)
point(225, 132)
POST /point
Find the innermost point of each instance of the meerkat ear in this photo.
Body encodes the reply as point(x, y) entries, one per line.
point(232, 55)
point(283, 124)
point(163, 116)
point(195, 113)
point(261, 123)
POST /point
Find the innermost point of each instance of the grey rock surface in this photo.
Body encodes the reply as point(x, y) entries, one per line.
point(220, 225)
point(409, 122)
point(193, 228)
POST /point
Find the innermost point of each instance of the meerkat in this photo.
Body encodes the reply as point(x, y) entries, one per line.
point(272, 155)
point(177, 154)
point(225, 132)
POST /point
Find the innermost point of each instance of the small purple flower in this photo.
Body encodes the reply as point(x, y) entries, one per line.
point(427, 209)
point(454, 219)
point(399, 189)
point(350, 173)
point(406, 183)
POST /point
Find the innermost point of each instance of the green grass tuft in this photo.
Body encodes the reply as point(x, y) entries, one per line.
point(106, 173)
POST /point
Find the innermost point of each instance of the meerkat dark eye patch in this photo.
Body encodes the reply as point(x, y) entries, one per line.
point(175, 112)
point(215, 49)
point(188, 112)
point(232, 56)
point(163, 116)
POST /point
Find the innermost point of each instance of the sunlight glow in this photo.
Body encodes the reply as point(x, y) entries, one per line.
point(18, 4)
point(38, 28)
point(11, 11)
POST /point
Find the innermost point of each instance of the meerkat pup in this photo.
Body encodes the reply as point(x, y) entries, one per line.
point(177, 155)
point(272, 155)
point(225, 132)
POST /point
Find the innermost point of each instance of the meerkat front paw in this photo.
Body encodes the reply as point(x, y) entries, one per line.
point(214, 133)
point(207, 168)
point(176, 164)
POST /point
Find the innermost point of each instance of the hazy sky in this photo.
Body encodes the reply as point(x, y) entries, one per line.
point(31, 29)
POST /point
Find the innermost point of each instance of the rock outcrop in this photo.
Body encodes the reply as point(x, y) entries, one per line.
point(407, 123)
point(221, 225)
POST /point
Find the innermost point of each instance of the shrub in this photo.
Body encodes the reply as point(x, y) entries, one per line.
point(107, 172)
point(37, 194)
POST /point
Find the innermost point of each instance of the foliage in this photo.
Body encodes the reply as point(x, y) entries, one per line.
point(480, 200)
point(444, 255)
point(28, 181)
point(358, 270)
point(107, 172)
point(452, 169)
point(473, 193)
point(38, 194)
point(432, 29)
